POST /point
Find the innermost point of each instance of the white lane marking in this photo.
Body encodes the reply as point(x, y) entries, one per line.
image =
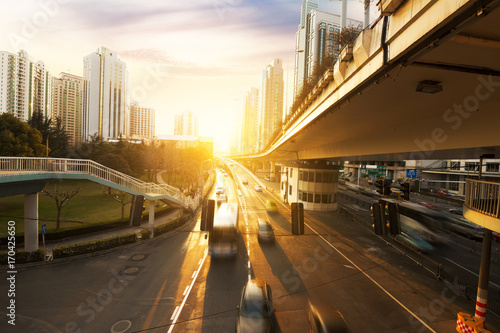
point(249, 277)
point(373, 280)
point(187, 295)
point(199, 262)
point(465, 269)
point(248, 264)
point(185, 291)
point(175, 312)
point(192, 276)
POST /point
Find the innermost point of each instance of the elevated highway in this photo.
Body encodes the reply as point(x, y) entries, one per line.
point(421, 83)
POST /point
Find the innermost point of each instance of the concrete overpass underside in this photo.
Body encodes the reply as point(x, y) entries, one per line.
point(372, 108)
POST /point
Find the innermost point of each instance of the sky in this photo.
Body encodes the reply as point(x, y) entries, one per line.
point(198, 55)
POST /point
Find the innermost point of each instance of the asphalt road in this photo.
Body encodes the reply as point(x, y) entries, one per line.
point(170, 284)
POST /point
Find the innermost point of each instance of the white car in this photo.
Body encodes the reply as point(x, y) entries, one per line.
point(219, 190)
point(221, 198)
point(258, 188)
point(244, 181)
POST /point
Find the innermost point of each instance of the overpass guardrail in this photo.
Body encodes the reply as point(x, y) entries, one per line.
point(12, 166)
point(483, 197)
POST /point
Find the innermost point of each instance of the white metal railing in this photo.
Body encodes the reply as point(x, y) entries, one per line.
point(483, 197)
point(24, 165)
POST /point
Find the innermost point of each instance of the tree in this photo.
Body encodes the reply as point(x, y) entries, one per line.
point(53, 134)
point(61, 198)
point(119, 196)
point(18, 138)
point(115, 162)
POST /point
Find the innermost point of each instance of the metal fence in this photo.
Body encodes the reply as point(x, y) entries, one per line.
point(38, 165)
point(483, 197)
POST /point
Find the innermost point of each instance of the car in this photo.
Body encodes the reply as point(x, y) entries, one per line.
point(426, 204)
point(271, 206)
point(258, 188)
point(244, 181)
point(221, 198)
point(266, 233)
point(324, 319)
point(219, 189)
point(255, 311)
point(458, 211)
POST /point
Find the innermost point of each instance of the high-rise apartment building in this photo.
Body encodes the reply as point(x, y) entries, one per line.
point(186, 124)
point(314, 40)
point(271, 101)
point(250, 122)
point(67, 104)
point(301, 43)
point(321, 42)
point(142, 122)
point(25, 86)
point(105, 96)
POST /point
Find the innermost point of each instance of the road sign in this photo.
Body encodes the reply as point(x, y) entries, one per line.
point(382, 167)
point(411, 173)
point(363, 166)
point(363, 171)
point(44, 229)
point(373, 172)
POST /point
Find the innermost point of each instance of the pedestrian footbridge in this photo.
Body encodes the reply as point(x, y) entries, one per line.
point(29, 175)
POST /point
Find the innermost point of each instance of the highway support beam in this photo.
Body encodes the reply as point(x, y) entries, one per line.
point(272, 175)
point(31, 222)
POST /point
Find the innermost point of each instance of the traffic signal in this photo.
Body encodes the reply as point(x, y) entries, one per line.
point(378, 219)
point(406, 191)
point(297, 218)
point(207, 215)
point(380, 186)
point(387, 186)
point(392, 211)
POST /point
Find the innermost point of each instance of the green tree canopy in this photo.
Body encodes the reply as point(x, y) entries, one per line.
point(53, 131)
point(18, 138)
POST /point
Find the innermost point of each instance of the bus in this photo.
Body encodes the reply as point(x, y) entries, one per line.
point(224, 234)
point(434, 226)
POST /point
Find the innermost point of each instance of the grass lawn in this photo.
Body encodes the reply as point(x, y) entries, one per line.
point(89, 207)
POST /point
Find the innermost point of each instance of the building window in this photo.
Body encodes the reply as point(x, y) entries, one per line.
point(453, 185)
point(291, 173)
point(317, 198)
point(319, 177)
point(310, 197)
point(290, 190)
point(324, 198)
point(455, 165)
point(492, 167)
point(471, 166)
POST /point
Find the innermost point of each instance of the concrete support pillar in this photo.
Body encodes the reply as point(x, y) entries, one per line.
point(272, 176)
point(31, 222)
point(151, 218)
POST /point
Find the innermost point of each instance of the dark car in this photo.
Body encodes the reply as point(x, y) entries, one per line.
point(326, 320)
point(256, 311)
point(458, 211)
point(266, 233)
